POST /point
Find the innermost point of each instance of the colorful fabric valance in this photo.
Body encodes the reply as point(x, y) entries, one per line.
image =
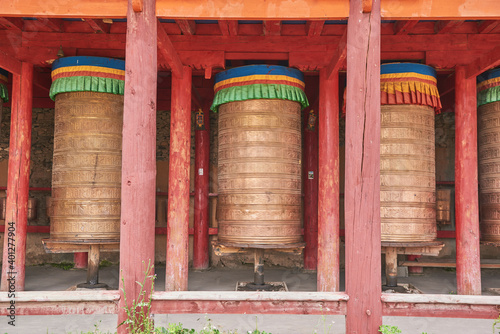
point(87, 74)
point(4, 79)
point(488, 87)
point(259, 82)
point(409, 83)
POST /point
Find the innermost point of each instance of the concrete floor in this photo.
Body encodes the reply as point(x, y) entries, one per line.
point(434, 280)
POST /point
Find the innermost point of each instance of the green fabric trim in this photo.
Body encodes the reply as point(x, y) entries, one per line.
point(489, 95)
point(4, 94)
point(87, 84)
point(257, 92)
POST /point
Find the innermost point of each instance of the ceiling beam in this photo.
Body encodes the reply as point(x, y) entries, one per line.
point(167, 50)
point(486, 26)
point(314, 28)
point(98, 25)
point(228, 28)
point(12, 23)
point(404, 27)
point(271, 28)
point(188, 27)
point(442, 27)
point(483, 63)
point(9, 63)
point(338, 59)
point(54, 25)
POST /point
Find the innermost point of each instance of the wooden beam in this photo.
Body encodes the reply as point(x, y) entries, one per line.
point(168, 52)
point(9, 63)
point(404, 27)
point(338, 58)
point(362, 178)
point(138, 5)
point(483, 63)
point(137, 222)
point(271, 28)
point(314, 28)
point(188, 27)
point(54, 25)
point(442, 27)
point(486, 26)
point(228, 28)
point(12, 23)
point(466, 185)
point(98, 25)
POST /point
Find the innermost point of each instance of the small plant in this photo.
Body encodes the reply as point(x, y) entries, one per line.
point(105, 263)
point(256, 330)
point(496, 328)
point(174, 329)
point(139, 319)
point(210, 329)
point(386, 329)
point(63, 265)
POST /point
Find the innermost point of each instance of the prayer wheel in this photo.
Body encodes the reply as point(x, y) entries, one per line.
point(259, 157)
point(488, 98)
point(409, 99)
point(86, 172)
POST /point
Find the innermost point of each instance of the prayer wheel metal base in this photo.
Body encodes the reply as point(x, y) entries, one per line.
point(407, 174)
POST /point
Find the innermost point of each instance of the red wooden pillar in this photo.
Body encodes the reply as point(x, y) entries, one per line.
point(328, 189)
point(310, 176)
point(81, 259)
point(201, 189)
point(18, 179)
point(362, 176)
point(466, 190)
point(176, 278)
point(137, 229)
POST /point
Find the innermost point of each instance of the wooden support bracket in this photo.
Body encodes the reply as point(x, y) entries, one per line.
point(167, 50)
point(484, 62)
point(367, 6)
point(338, 59)
point(9, 63)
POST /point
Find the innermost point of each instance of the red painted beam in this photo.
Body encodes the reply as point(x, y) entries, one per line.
point(81, 259)
point(483, 63)
point(137, 223)
point(187, 27)
point(271, 28)
point(487, 26)
point(314, 28)
point(12, 23)
point(404, 27)
point(466, 186)
point(362, 176)
point(228, 27)
point(54, 25)
point(201, 189)
point(338, 59)
point(328, 188)
point(442, 27)
point(9, 63)
point(176, 278)
point(167, 51)
point(16, 218)
point(98, 26)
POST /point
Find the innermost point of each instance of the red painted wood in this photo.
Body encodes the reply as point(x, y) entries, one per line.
point(271, 28)
point(414, 270)
point(188, 27)
point(404, 27)
point(338, 59)
point(487, 26)
point(440, 310)
point(328, 179)
point(483, 62)
point(16, 218)
point(9, 63)
point(12, 23)
point(446, 234)
point(137, 229)
point(442, 27)
point(466, 186)
point(310, 164)
point(98, 26)
point(314, 28)
point(178, 184)
point(81, 259)
point(201, 189)
point(362, 176)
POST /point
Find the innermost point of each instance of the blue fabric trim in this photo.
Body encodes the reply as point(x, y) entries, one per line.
point(89, 61)
point(491, 74)
point(407, 67)
point(259, 69)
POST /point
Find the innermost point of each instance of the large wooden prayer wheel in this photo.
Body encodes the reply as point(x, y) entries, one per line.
point(86, 172)
point(259, 155)
point(489, 154)
point(407, 159)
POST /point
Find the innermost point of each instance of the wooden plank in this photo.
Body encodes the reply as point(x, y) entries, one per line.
point(328, 189)
point(466, 185)
point(257, 55)
point(188, 27)
point(271, 28)
point(442, 27)
point(201, 189)
point(445, 264)
point(178, 184)
point(486, 26)
point(12, 23)
point(362, 178)
point(201, 60)
point(98, 26)
point(54, 25)
point(228, 28)
point(314, 28)
point(483, 63)
point(338, 58)
point(404, 27)
point(168, 52)
point(9, 63)
point(137, 223)
point(18, 179)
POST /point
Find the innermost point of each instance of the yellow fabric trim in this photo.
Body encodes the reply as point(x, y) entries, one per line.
point(259, 77)
point(487, 82)
point(87, 68)
point(408, 75)
point(409, 86)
